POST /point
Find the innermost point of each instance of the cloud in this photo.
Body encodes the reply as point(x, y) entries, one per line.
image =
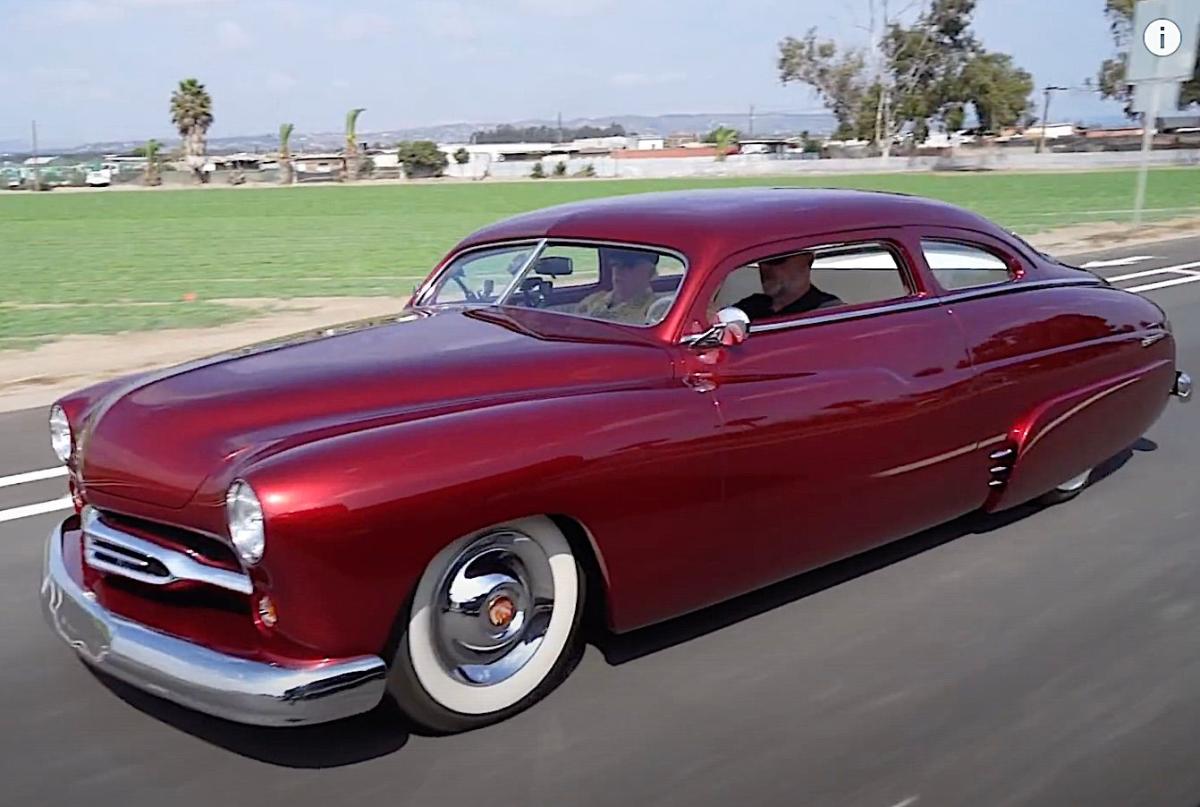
point(232, 36)
point(60, 76)
point(360, 25)
point(647, 79)
point(564, 8)
point(278, 81)
point(77, 11)
point(449, 20)
point(340, 84)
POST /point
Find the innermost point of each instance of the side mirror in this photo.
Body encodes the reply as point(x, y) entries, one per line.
point(732, 328)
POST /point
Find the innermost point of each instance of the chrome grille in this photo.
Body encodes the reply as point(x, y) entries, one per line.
point(114, 551)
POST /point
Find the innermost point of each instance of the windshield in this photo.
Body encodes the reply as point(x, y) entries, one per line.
point(626, 284)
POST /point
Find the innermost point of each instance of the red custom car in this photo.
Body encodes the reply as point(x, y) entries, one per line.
point(622, 404)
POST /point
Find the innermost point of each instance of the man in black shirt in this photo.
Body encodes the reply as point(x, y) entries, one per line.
point(787, 289)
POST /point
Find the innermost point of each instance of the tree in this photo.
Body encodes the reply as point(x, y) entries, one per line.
point(152, 176)
point(421, 158)
point(927, 72)
point(837, 76)
point(462, 156)
point(543, 134)
point(724, 138)
point(1110, 79)
point(286, 173)
point(997, 88)
point(191, 112)
point(351, 150)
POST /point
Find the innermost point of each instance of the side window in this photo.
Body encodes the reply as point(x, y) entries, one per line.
point(815, 279)
point(958, 266)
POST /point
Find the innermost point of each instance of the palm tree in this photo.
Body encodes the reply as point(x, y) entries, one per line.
point(150, 150)
point(191, 112)
point(285, 153)
point(724, 137)
point(352, 142)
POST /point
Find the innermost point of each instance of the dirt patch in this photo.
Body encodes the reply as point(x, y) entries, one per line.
point(36, 377)
point(1104, 235)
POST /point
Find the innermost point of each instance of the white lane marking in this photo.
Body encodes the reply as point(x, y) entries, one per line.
point(911, 800)
point(32, 476)
point(1132, 259)
point(38, 509)
point(1160, 270)
point(1192, 278)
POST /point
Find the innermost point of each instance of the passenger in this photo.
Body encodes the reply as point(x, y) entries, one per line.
point(631, 295)
point(787, 289)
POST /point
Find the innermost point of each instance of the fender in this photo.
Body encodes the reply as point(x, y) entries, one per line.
point(1067, 435)
point(353, 520)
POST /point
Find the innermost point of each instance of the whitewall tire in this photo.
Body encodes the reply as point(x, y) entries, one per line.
point(492, 627)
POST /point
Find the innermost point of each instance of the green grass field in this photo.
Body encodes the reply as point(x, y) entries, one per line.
point(116, 261)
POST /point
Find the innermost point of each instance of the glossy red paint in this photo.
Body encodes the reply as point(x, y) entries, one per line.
point(694, 475)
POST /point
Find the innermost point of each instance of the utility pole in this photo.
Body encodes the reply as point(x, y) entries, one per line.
point(751, 129)
point(37, 174)
point(1041, 142)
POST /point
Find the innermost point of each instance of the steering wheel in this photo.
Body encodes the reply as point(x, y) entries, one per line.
point(658, 309)
point(535, 292)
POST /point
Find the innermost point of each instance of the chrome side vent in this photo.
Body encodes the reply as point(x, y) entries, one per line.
point(112, 551)
point(1001, 464)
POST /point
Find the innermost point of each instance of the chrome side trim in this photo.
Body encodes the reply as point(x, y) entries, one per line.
point(116, 552)
point(194, 676)
point(1015, 287)
point(1012, 287)
point(1147, 341)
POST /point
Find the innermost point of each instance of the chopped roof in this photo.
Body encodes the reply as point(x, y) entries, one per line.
point(728, 218)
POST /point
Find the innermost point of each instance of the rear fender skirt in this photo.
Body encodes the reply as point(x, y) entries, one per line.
point(1067, 435)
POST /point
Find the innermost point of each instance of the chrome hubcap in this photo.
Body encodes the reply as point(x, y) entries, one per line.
point(493, 607)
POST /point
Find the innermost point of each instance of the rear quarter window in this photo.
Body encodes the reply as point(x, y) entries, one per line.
point(962, 266)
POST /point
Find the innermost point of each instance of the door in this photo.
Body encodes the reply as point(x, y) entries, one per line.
point(843, 426)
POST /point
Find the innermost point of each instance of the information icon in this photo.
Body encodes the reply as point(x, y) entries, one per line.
point(1162, 37)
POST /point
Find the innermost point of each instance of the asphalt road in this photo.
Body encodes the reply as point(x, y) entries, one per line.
point(1048, 657)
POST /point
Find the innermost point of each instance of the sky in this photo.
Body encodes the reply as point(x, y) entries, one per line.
point(94, 70)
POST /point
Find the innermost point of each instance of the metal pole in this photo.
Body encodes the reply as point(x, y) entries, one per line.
point(1041, 142)
point(37, 174)
point(1149, 118)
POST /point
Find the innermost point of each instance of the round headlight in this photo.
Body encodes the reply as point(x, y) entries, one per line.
point(245, 519)
point(60, 433)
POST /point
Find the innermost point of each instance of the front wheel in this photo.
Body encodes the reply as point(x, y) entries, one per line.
point(1068, 490)
point(494, 625)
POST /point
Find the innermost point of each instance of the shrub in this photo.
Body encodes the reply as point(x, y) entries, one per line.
point(537, 172)
point(421, 158)
point(588, 170)
point(462, 156)
point(560, 169)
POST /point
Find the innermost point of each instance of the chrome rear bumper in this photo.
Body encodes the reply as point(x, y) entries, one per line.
point(1182, 388)
point(191, 675)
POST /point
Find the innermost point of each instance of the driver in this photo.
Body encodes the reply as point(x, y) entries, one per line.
point(787, 289)
point(631, 296)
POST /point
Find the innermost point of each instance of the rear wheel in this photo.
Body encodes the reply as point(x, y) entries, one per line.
point(1068, 490)
point(492, 628)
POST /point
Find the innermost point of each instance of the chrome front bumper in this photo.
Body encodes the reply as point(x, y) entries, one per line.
point(199, 678)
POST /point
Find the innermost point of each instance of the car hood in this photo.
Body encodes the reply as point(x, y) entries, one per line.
point(157, 437)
